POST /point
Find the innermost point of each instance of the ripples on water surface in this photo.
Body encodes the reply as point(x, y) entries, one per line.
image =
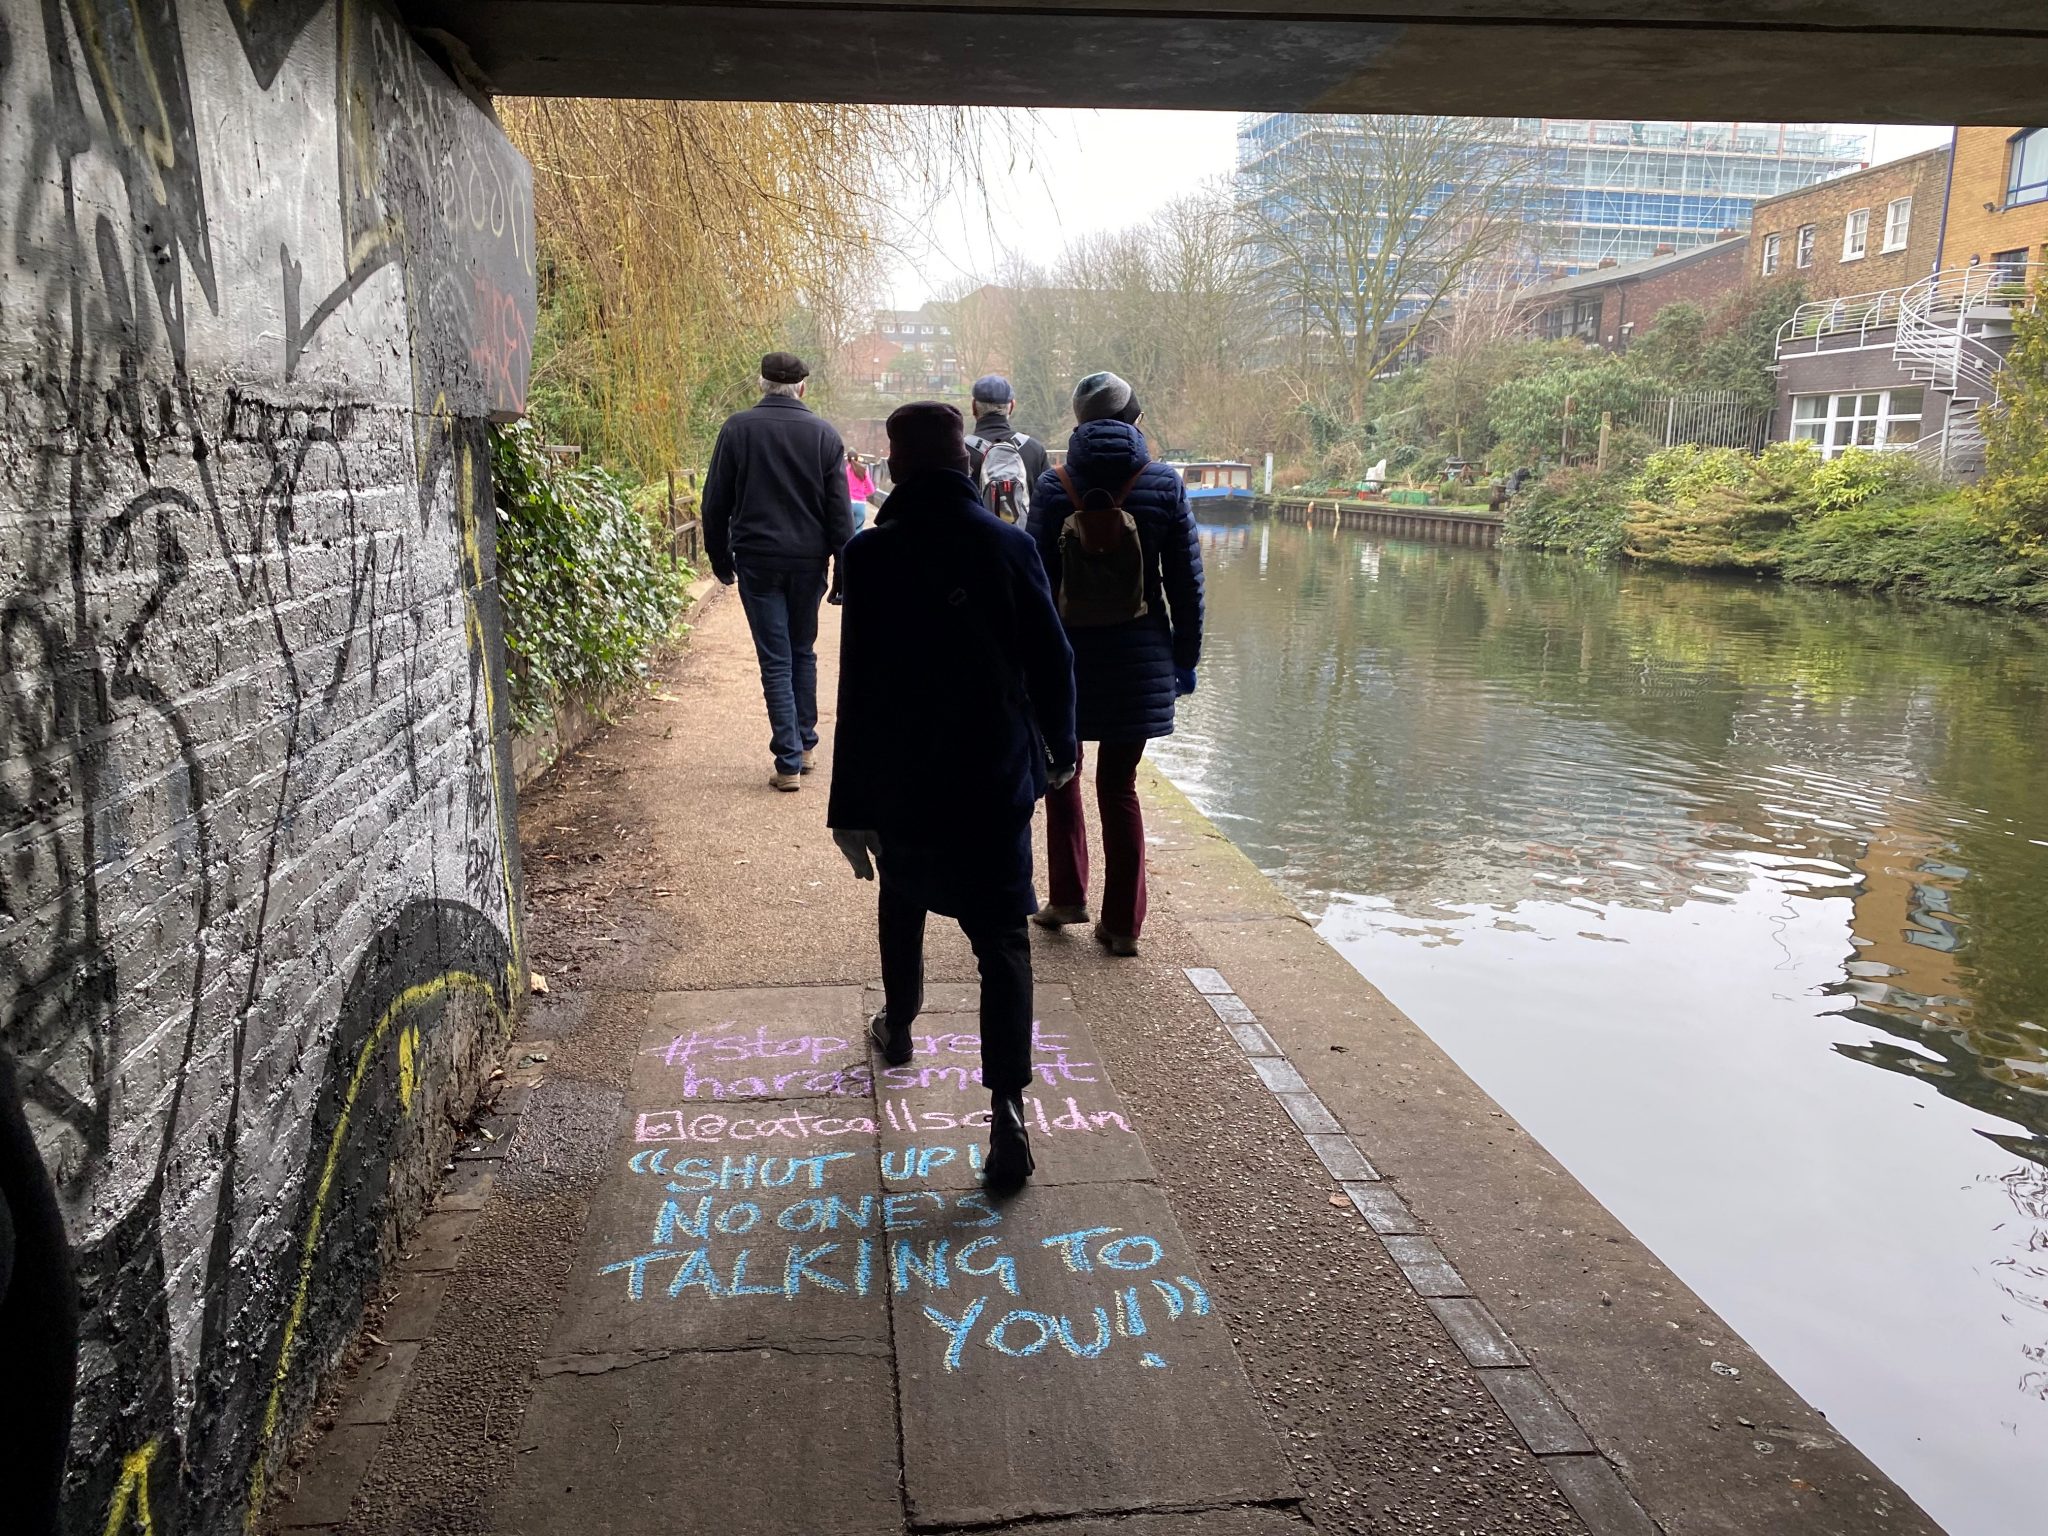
point(1735, 895)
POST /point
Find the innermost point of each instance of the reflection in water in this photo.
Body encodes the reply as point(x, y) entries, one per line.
point(1665, 862)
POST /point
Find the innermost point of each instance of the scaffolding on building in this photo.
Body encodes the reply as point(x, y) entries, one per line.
point(1619, 191)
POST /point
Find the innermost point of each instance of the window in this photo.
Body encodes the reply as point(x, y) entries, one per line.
point(2009, 266)
point(1802, 251)
point(1856, 235)
point(1885, 418)
point(1771, 252)
point(1898, 223)
point(2027, 177)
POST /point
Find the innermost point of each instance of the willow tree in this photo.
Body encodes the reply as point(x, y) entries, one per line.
point(1362, 227)
point(679, 240)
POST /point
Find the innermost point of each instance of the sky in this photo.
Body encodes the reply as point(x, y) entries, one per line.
point(1055, 176)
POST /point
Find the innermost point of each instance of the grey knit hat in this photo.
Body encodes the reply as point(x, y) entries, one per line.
point(1104, 397)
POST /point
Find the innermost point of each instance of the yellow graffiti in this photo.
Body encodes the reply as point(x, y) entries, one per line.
point(133, 1492)
point(159, 152)
point(408, 1073)
point(412, 997)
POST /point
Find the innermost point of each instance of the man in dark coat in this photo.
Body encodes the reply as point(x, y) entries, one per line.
point(1126, 675)
point(776, 515)
point(994, 400)
point(956, 713)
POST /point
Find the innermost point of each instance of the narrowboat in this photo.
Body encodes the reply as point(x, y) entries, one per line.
point(1218, 489)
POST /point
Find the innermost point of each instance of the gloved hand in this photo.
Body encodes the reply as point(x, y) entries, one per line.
point(1183, 682)
point(727, 576)
point(861, 850)
point(834, 593)
point(1062, 777)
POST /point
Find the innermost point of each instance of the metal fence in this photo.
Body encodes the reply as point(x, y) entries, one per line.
point(1713, 418)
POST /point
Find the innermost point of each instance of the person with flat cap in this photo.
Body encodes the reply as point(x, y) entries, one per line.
point(776, 516)
point(956, 714)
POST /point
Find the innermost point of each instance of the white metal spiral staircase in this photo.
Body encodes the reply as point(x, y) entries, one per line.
point(1949, 327)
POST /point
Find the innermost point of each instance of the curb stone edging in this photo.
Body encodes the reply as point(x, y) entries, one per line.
point(1560, 1444)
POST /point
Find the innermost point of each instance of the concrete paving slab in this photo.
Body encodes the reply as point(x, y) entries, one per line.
point(323, 1496)
point(1596, 1492)
point(965, 997)
point(1472, 1328)
point(1384, 1211)
point(1278, 1074)
point(1543, 1422)
point(1206, 979)
point(766, 1237)
point(410, 1316)
point(1426, 1267)
point(1253, 1040)
point(437, 1245)
point(933, 1112)
point(1341, 1156)
point(372, 1394)
point(1230, 1008)
point(753, 1443)
point(750, 1043)
point(1075, 1331)
point(1207, 1522)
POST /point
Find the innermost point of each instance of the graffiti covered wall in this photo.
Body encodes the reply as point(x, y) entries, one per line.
point(267, 273)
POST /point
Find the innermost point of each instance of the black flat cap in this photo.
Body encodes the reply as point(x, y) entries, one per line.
point(784, 368)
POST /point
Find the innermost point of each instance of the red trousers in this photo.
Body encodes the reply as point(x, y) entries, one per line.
point(1123, 839)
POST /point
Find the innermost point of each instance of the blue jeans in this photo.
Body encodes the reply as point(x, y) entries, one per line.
point(782, 611)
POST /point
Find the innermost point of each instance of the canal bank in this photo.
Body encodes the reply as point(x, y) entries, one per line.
point(1704, 1433)
point(1313, 1375)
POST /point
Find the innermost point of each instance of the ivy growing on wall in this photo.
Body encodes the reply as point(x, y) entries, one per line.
point(588, 591)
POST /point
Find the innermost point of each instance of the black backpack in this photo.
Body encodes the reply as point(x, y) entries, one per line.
point(1102, 561)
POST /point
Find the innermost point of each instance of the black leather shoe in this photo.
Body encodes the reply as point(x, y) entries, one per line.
point(893, 1043)
point(1009, 1145)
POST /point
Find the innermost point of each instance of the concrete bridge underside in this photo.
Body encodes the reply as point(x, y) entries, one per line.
point(1935, 61)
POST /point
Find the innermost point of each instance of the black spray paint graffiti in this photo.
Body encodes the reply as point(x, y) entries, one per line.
point(143, 847)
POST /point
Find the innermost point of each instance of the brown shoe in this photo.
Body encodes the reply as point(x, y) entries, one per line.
point(788, 783)
point(810, 761)
point(1054, 916)
point(1115, 943)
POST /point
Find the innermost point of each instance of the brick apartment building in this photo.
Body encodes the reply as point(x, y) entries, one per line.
point(1998, 198)
point(1870, 230)
point(1908, 361)
point(1615, 302)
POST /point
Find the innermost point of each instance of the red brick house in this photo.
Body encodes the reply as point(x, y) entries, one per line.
point(1612, 303)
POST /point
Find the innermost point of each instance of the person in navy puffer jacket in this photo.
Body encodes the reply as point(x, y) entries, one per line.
point(1126, 676)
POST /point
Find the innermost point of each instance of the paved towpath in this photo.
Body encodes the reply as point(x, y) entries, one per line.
point(710, 1268)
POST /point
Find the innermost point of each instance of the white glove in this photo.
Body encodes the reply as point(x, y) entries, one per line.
point(861, 850)
point(1062, 777)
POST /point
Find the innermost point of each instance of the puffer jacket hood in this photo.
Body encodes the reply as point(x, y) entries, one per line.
point(1123, 673)
point(1105, 454)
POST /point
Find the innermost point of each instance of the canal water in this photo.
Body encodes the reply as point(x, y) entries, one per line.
point(1734, 894)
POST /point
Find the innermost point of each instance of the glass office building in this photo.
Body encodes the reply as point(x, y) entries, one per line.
point(1609, 190)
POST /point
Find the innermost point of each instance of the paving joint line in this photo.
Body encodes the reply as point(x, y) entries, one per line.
point(1040, 1522)
point(1542, 1421)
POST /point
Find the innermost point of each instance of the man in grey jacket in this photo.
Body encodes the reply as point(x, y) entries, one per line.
point(775, 518)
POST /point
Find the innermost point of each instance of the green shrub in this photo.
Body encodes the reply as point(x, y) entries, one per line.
point(1575, 511)
point(1674, 476)
point(1940, 548)
point(588, 591)
point(1859, 477)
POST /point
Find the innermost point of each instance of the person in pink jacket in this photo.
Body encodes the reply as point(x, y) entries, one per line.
point(860, 486)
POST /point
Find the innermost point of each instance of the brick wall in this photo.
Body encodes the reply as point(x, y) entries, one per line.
point(1700, 281)
point(1633, 299)
point(267, 274)
point(1922, 177)
point(1982, 160)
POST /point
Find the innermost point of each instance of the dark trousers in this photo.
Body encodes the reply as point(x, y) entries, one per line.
point(1003, 952)
point(782, 612)
point(1123, 839)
